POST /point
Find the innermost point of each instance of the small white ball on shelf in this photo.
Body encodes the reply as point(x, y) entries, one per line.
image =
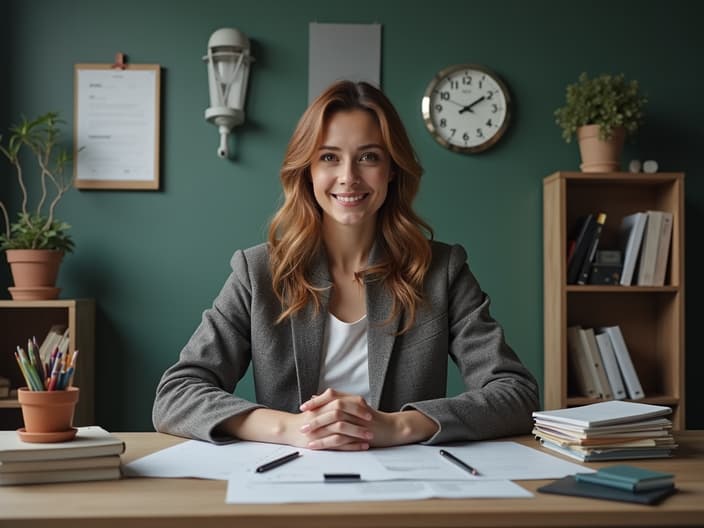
point(634, 166)
point(650, 166)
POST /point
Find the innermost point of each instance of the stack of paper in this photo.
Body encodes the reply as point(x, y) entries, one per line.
point(610, 430)
point(93, 455)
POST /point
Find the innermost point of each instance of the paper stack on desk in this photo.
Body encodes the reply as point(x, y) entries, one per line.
point(610, 430)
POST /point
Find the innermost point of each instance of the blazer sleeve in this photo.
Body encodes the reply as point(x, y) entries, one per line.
point(500, 393)
point(196, 394)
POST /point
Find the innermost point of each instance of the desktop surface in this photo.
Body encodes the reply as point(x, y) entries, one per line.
point(141, 502)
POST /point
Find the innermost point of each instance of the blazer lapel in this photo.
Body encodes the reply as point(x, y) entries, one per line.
point(307, 328)
point(381, 331)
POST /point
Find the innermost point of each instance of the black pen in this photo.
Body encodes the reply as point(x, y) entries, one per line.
point(452, 458)
point(278, 462)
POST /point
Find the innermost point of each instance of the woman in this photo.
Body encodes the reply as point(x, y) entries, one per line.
point(348, 313)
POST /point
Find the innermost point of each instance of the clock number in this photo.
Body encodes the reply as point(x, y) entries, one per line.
point(494, 108)
point(445, 96)
point(489, 123)
point(443, 123)
point(467, 79)
point(452, 131)
point(480, 134)
point(438, 107)
point(454, 85)
point(465, 136)
point(490, 95)
point(481, 82)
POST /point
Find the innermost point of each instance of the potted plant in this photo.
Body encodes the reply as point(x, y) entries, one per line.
point(601, 111)
point(36, 241)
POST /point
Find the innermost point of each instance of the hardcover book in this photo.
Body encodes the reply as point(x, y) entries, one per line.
point(90, 441)
point(629, 478)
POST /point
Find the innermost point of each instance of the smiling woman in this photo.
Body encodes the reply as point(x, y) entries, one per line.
point(349, 312)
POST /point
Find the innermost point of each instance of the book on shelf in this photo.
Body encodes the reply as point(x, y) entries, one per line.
point(90, 441)
point(631, 235)
point(649, 252)
point(583, 276)
point(69, 475)
point(57, 337)
point(578, 359)
point(625, 363)
point(613, 372)
point(630, 478)
point(596, 368)
point(663, 250)
point(583, 234)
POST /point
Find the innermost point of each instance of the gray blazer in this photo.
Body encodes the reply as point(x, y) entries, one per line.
point(407, 371)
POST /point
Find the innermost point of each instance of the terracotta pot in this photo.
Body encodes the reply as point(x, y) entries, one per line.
point(47, 415)
point(34, 273)
point(600, 155)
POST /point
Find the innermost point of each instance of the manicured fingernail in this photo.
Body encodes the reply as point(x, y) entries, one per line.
point(305, 428)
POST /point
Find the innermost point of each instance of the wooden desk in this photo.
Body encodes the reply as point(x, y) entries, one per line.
point(136, 503)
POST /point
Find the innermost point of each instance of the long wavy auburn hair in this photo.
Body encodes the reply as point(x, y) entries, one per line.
point(295, 232)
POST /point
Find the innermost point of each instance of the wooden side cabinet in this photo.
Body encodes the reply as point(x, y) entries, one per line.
point(20, 320)
point(651, 318)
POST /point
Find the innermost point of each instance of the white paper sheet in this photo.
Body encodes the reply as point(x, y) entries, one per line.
point(494, 460)
point(248, 492)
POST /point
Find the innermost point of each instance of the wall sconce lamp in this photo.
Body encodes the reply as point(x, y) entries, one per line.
point(228, 62)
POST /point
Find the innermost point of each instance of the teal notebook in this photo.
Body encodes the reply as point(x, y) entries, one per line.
point(629, 478)
point(570, 486)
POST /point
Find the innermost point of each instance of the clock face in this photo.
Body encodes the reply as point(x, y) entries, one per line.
point(466, 108)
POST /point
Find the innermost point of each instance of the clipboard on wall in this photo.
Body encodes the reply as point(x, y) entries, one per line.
point(116, 125)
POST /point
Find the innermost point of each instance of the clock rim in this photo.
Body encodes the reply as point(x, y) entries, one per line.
point(429, 125)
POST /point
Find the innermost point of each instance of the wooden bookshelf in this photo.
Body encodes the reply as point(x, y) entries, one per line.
point(21, 320)
point(651, 318)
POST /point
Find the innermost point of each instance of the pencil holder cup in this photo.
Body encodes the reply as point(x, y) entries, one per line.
point(47, 415)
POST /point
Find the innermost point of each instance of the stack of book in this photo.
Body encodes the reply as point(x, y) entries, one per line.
point(93, 455)
point(601, 365)
point(610, 430)
point(620, 482)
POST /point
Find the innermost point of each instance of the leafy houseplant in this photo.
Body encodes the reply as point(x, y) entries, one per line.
point(36, 228)
point(601, 111)
point(608, 101)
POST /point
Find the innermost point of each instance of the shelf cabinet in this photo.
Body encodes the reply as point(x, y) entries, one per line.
point(651, 318)
point(21, 320)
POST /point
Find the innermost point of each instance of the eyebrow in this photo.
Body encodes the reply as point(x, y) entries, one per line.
point(361, 147)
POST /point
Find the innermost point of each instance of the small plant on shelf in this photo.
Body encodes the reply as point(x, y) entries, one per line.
point(36, 227)
point(607, 100)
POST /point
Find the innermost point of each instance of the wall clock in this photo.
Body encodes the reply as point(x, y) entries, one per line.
point(466, 108)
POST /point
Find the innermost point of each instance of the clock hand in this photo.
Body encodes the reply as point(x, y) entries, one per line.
point(468, 108)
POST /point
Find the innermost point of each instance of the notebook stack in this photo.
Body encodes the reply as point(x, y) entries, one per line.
point(94, 454)
point(610, 430)
point(621, 483)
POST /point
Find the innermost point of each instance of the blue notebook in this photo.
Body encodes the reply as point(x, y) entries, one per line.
point(629, 478)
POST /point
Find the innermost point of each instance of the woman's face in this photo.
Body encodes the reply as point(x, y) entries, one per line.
point(351, 170)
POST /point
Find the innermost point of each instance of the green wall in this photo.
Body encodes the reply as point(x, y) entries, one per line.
point(155, 260)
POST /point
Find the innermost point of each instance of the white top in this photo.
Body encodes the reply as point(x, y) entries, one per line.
point(344, 365)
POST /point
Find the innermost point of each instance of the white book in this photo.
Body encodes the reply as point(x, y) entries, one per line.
point(632, 227)
point(602, 381)
point(578, 363)
point(27, 466)
point(623, 358)
point(69, 475)
point(608, 360)
point(604, 413)
point(649, 253)
point(90, 441)
point(663, 250)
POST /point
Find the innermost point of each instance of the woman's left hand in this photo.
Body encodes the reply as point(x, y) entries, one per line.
point(388, 429)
